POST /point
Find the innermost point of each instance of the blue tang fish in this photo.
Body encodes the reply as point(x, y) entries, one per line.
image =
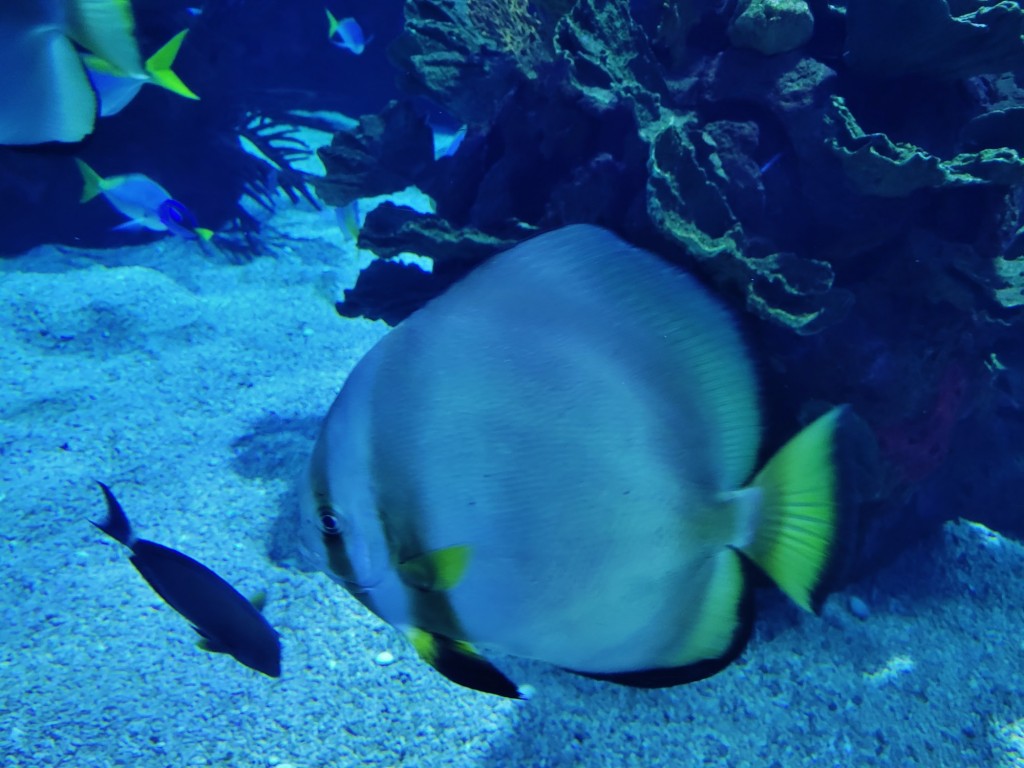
point(556, 459)
point(227, 622)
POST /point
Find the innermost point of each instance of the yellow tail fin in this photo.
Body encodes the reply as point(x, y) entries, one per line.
point(800, 518)
point(158, 67)
point(332, 23)
point(93, 182)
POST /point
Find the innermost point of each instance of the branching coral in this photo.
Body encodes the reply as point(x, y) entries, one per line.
point(508, 25)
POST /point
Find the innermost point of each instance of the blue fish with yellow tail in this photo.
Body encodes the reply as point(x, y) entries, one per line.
point(143, 202)
point(346, 34)
point(116, 89)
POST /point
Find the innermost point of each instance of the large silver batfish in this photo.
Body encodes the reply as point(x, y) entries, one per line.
point(555, 460)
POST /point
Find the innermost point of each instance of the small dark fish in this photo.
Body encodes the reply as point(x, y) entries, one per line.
point(227, 621)
point(770, 163)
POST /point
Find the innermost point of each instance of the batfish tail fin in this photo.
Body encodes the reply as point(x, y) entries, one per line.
point(115, 524)
point(158, 67)
point(802, 513)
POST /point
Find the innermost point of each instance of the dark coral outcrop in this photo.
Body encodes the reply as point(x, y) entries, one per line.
point(852, 181)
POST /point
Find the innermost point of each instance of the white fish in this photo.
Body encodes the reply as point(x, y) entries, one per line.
point(555, 459)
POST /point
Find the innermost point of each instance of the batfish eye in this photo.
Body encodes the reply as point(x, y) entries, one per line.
point(329, 523)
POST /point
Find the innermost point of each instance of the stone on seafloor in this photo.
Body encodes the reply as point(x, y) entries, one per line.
point(859, 608)
point(771, 26)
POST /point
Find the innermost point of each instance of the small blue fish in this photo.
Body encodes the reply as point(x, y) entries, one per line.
point(770, 163)
point(447, 144)
point(346, 33)
point(180, 221)
point(140, 200)
point(349, 221)
point(227, 621)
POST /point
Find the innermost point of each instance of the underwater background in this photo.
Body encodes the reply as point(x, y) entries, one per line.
point(847, 177)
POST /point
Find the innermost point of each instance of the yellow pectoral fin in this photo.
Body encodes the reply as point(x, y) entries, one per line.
point(259, 600)
point(436, 571)
point(96, 64)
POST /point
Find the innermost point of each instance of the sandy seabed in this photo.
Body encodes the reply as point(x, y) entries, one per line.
point(195, 386)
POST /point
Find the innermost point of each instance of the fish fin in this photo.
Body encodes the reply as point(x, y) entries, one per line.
point(107, 28)
point(94, 183)
point(158, 66)
point(801, 515)
point(259, 600)
point(96, 64)
point(461, 663)
point(129, 226)
point(721, 631)
point(436, 571)
point(721, 624)
point(204, 233)
point(115, 524)
point(348, 220)
point(332, 23)
point(47, 95)
point(207, 643)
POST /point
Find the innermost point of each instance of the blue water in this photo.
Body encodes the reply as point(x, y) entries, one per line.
point(845, 178)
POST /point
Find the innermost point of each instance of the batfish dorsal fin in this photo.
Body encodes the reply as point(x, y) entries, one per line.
point(436, 571)
point(461, 663)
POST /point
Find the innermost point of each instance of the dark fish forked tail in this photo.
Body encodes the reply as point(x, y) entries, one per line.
point(116, 523)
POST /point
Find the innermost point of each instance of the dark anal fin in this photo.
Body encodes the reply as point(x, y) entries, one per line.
point(460, 663)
